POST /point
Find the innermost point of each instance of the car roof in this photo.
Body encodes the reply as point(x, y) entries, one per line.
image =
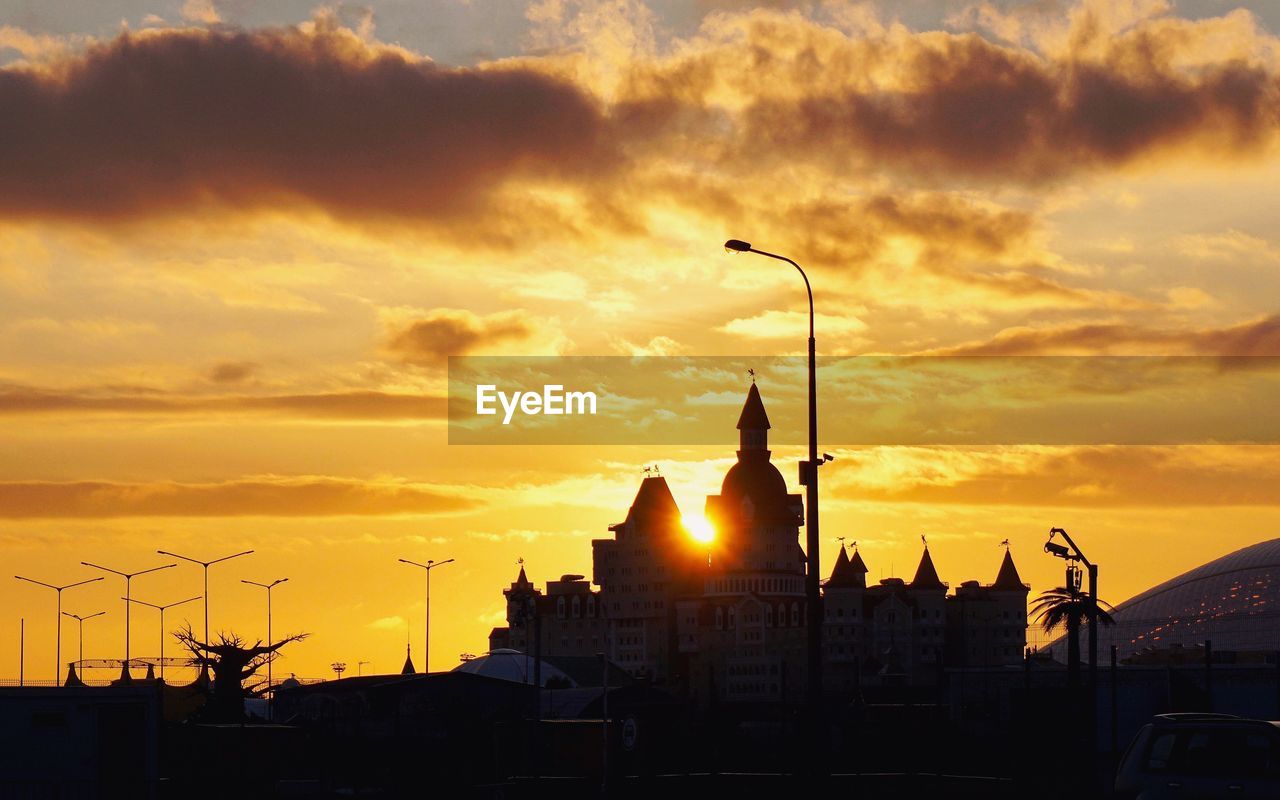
point(1207, 717)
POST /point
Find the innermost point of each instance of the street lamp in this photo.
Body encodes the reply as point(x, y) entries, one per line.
point(80, 638)
point(808, 477)
point(360, 666)
point(426, 648)
point(128, 593)
point(206, 565)
point(1072, 554)
point(271, 656)
point(57, 649)
point(161, 609)
point(1075, 554)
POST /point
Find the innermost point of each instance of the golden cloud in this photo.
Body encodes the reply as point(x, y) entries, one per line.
point(286, 497)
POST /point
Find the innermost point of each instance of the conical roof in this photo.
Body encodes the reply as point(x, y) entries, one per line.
point(408, 669)
point(1008, 578)
point(654, 501)
point(845, 574)
point(753, 416)
point(842, 563)
point(926, 575)
point(857, 564)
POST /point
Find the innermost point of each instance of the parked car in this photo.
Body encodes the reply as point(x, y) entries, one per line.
point(1201, 756)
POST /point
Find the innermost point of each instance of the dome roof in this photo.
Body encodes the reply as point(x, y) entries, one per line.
point(1234, 601)
point(512, 665)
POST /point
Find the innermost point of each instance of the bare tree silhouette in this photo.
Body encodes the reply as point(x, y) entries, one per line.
point(233, 662)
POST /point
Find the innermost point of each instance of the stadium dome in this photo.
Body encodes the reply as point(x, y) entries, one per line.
point(513, 665)
point(1233, 601)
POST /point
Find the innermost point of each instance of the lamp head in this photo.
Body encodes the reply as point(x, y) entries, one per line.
point(737, 246)
point(1055, 549)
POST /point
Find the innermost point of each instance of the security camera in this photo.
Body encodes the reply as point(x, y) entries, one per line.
point(1059, 550)
point(828, 457)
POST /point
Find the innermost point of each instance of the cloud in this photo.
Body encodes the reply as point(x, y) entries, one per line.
point(960, 105)
point(1258, 337)
point(395, 623)
point(232, 371)
point(165, 120)
point(272, 497)
point(775, 324)
point(1060, 477)
point(338, 405)
point(445, 332)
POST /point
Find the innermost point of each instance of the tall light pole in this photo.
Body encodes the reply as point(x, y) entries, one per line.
point(1094, 613)
point(57, 648)
point(128, 593)
point(270, 656)
point(426, 647)
point(161, 609)
point(80, 638)
point(206, 565)
point(809, 477)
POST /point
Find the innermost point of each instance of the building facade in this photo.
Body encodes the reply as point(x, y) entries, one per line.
point(726, 620)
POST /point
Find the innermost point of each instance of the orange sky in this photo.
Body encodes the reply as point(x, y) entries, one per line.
point(235, 253)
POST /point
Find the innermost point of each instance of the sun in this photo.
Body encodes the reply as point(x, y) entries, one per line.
point(700, 528)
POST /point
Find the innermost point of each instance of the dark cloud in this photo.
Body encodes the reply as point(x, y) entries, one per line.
point(232, 371)
point(452, 332)
point(1260, 337)
point(336, 405)
point(156, 121)
point(296, 497)
point(972, 108)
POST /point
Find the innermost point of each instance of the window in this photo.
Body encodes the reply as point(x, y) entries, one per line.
point(560, 607)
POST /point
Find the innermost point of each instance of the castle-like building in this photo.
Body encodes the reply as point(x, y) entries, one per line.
point(726, 621)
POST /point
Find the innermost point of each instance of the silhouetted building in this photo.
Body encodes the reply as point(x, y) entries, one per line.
point(727, 621)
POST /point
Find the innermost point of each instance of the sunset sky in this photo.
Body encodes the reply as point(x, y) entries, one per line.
point(239, 240)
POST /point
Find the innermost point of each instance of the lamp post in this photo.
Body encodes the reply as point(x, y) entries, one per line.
point(80, 638)
point(57, 648)
point(1072, 554)
point(426, 648)
point(206, 565)
point(128, 593)
point(161, 609)
point(270, 656)
point(809, 477)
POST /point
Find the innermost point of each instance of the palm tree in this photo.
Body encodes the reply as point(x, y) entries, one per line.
point(1055, 608)
point(1061, 606)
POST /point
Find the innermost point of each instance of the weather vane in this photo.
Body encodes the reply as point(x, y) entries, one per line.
point(752, 373)
point(840, 539)
point(1005, 543)
point(925, 541)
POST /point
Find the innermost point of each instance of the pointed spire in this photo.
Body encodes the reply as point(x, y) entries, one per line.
point(926, 574)
point(842, 564)
point(1008, 579)
point(151, 671)
point(856, 563)
point(522, 580)
point(408, 669)
point(753, 416)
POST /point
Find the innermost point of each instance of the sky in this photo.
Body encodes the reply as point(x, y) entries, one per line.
point(239, 240)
